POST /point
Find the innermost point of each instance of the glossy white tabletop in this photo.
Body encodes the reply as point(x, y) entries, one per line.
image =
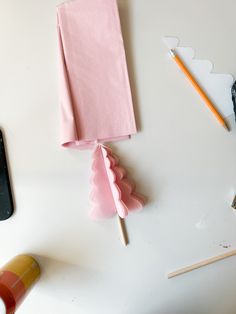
point(181, 159)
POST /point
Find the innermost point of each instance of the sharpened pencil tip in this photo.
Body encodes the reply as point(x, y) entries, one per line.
point(226, 126)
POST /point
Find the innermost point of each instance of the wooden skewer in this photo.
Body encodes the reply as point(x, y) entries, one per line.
point(123, 232)
point(201, 264)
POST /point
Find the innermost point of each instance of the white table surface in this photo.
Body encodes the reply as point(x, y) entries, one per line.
point(181, 159)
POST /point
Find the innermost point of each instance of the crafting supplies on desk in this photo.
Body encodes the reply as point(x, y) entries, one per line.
point(213, 88)
point(95, 99)
point(199, 89)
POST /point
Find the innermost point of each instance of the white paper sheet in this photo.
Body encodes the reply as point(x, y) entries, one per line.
point(216, 85)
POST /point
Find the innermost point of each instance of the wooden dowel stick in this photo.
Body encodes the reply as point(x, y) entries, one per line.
point(123, 232)
point(201, 264)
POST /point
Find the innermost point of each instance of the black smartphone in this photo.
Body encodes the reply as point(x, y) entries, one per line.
point(6, 200)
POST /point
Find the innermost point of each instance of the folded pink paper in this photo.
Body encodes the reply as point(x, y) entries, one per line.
point(95, 97)
point(112, 193)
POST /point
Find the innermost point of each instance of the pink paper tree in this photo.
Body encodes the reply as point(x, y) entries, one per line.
point(112, 193)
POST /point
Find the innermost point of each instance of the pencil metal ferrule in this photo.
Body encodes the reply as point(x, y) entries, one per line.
point(172, 53)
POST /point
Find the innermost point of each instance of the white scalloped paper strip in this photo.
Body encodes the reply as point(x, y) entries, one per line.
point(112, 193)
point(217, 86)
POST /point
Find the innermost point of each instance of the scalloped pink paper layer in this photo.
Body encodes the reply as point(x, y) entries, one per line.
point(112, 193)
point(95, 96)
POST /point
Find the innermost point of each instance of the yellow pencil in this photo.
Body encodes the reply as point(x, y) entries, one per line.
point(198, 88)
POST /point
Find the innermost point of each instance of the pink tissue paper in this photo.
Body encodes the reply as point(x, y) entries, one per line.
point(95, 97)
point(112, 193)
